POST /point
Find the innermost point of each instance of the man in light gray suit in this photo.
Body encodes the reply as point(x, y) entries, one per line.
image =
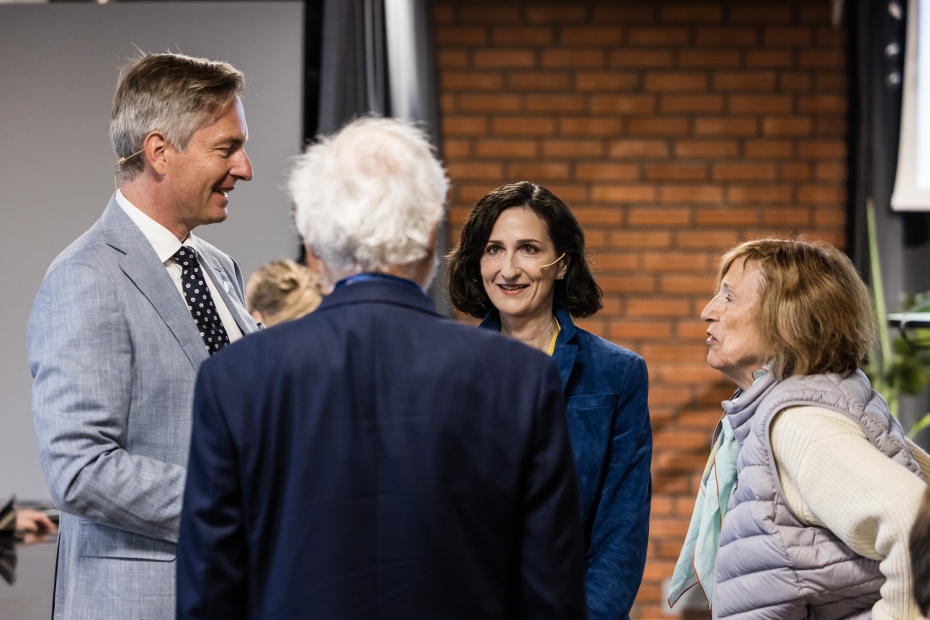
point(121, 323)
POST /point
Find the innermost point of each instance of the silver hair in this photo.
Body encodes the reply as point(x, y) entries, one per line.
point(367, 197)
point(171, 93)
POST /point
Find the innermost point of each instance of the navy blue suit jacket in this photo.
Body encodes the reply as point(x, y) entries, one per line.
point(606, 389)
point(376, 460)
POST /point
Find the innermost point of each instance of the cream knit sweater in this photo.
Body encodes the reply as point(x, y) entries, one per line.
point(833, 477)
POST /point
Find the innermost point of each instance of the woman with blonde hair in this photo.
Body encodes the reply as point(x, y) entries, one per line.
point(809, 494)
point(282, 291)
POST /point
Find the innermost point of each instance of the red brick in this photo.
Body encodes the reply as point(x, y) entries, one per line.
point(692, 103)
point(598, 216)
point(523, 125)
point(830, 82)
point(623, 104)
point(554, 103)
point(460, 36)
point(504, 59)
point(691, 14)
point(676, 172)
point(638, 148)
point(497, 14)
point(830, 36)
point(691, 193)
point(795, 172)
point(744, 81)
point(561, 58)
point(605, 81)
point(657, 307)
point(830, 127)
point(447, 103)
point(473, 171)
point(626, 284)
point(755, 194)
point(506, 148)
point(830, 172)
point(637, 59)
point(626, 14)
point(786, 217)
point(606, 172)
point(793, 36)
point(441, 14)
point(686, 284)
point(812, 14)
point(769, 59)
point(489, 103)
point(715, 59)
point(667, 126)
point(676, 438)
point(450, 58)
point(638, 330)
point(821, 193)
point(822, 149)
point(676, 81)
point(472, 193)
point(707, 239)
point(470, 80)
point(539, 80)
point(455, 148)
point(540, 171)
point(706, 148)
point(522, 36)
point(658, 36)
point(640, 239)
point(615, 261)
point(831, 59)
point(769, 148)
point(829, 217)
point(760, 103)
point(658, 217)
point(590, 126)
point(727, 37)
point(756, 14)
point(623, 193)
point(573, 148)
point(795, 82)
point(726, 217)
point(464, 125)
point(591, 35)
point(822, 103)
point(555, 14)
point(725, 126)
point(662, 506)
point(786, 126)
point(744, 172)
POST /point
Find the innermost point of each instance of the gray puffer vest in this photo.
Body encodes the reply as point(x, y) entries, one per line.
point(770, 564)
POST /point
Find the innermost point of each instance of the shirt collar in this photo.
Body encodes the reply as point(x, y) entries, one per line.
point(163, 240)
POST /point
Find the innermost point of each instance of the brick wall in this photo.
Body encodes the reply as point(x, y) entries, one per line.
point(673, 131)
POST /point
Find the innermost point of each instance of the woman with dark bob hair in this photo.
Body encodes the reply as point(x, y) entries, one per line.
point(521, 266)
point(809, 494)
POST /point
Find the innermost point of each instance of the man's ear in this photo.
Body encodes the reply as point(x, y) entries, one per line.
point(155, 147)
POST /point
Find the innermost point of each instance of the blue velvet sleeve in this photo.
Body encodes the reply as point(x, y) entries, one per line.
point(620, 531)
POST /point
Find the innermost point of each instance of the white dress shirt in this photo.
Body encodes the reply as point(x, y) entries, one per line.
point(165, 244)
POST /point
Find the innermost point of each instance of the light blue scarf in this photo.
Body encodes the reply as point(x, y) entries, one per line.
point(699, 554)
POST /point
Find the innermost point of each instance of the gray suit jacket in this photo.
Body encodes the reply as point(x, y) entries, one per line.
point(114, 354)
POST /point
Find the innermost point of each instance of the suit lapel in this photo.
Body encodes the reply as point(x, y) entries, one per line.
point(565, 348)
point(141, 265)
point(218, 276)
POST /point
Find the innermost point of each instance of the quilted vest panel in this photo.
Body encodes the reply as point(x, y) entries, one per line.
point(770, 564)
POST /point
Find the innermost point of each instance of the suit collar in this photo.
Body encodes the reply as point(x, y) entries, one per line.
point(379, 291)
point(140, 263)
point(566, 344)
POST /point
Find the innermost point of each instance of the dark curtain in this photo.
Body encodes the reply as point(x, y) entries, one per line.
point(377, 58)
point(876, 59)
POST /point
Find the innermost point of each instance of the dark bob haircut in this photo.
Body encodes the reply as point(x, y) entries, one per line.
point(577, 292)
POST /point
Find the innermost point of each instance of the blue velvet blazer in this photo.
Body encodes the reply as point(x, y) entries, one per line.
point(606, 389)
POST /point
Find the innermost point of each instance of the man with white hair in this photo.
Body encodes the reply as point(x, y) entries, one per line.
point(375, 459)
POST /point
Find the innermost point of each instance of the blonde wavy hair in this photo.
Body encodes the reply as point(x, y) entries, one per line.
point(282, 291)
point(815, 316)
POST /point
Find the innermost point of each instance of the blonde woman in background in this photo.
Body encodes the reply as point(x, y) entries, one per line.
point(282, 291)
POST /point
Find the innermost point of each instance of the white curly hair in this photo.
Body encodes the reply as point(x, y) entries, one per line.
point(367, 197)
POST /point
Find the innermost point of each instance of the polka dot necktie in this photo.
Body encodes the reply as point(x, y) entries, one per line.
point(200, 301)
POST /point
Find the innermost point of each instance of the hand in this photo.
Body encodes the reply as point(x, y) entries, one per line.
point(34, 522)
